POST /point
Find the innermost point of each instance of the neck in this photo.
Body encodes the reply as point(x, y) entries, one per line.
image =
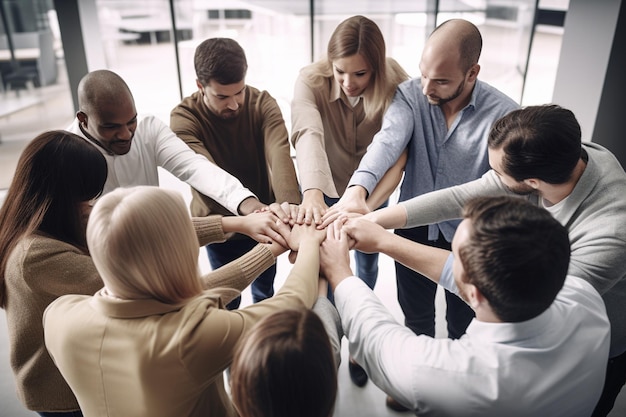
point(452, 108)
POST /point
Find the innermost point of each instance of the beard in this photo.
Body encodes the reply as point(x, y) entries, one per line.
point(521, 189)
point(440, 101)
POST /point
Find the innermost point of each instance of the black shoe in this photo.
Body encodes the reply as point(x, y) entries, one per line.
point(395, 405)
point(357, 374)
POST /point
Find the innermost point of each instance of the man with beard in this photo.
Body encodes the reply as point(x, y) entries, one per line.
point(442, 119)
point(538, 345)
point(537, 152)
point(240, 129)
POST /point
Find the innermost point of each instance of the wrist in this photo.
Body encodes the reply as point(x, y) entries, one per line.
point(357, 191)
point(249, 205)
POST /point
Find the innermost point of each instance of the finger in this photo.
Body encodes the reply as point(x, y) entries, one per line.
point(301, 215)
point(308, 218)
point(330, 217)
point(317, 216)
point(292, 256)
point(280, 232)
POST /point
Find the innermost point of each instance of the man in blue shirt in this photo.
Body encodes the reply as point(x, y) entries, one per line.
point(442, 120)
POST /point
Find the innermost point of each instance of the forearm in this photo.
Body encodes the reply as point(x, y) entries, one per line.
point(241, 272)
point(250, 205)
point(209, 229)
point(392, 217)
point(427, 260)
point(388, 184)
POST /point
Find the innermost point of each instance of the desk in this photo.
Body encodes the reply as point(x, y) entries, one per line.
point(21, 54)
point(150, 25)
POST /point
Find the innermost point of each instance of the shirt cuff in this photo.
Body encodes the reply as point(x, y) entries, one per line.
point(446, 280)
point(345, 288)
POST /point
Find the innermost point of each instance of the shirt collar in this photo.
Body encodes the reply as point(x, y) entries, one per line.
point(474, 96)
point(509, 333)
point(335, 91)
point(130, 309)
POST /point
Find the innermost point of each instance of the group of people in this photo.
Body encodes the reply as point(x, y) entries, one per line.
point(504, 207)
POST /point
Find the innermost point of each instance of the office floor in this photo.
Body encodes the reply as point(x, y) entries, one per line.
point(56, 107)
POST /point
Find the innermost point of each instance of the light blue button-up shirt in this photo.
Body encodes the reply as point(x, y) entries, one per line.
point(438, 157)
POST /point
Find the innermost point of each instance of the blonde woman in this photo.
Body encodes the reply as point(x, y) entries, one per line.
point(337, 108)
point(152, 342)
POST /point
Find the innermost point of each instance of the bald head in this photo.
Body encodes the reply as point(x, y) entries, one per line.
point(101, 88)
point(107, 113)
point(458, 36)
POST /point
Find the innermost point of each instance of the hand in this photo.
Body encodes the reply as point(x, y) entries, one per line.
point(352, 201)
point(364, 234)
point(335, 255)
point(277, 249)
point(312, 208)
point(264, 227)
point(250, 205)
point(301, 232)
point(285, 211)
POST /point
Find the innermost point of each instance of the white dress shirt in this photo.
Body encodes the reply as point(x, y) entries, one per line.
point(154, 145)
point(552, 365)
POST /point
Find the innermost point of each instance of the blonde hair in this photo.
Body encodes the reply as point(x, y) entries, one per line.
point(143, 244)
point(360, 35)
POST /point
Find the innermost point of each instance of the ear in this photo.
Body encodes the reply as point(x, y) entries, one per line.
point(82, 118)
point(200, 87)
point(473, 73)
point(474, 297)
point(532, 182)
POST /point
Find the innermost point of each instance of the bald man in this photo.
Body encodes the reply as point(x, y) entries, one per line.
point(444, 118)
point(134, 146)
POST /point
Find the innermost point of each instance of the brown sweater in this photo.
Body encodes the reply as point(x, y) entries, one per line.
point(40, 269)
point(253, 147)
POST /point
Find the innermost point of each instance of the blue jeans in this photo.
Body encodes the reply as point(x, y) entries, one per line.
point(222, 253)
point(61, 414)
point(416, 294)
point(366, 263)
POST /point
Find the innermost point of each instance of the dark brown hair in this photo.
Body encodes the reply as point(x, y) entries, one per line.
point(220, 59)
point(284, 368)
point(516, 254)
point(56, 171)
point(542, 142)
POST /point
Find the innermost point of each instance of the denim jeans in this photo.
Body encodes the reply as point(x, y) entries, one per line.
point(222, 253)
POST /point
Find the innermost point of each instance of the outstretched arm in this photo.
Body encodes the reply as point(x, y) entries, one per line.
point(370, 237)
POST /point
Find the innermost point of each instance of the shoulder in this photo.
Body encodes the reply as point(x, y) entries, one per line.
point(488, 93)
point(579, 291)
point(257, 97)
point(42, 247)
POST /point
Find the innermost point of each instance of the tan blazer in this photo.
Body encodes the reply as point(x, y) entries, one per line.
point(145, 358)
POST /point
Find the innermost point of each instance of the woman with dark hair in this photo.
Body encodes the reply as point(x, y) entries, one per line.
point(43, 254)
point(285, 367)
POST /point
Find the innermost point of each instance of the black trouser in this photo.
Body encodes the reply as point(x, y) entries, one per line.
point(416, 294)
point(613, 383)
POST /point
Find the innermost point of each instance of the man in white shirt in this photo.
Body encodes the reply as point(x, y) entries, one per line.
point(134, 146)
point(538, 345)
